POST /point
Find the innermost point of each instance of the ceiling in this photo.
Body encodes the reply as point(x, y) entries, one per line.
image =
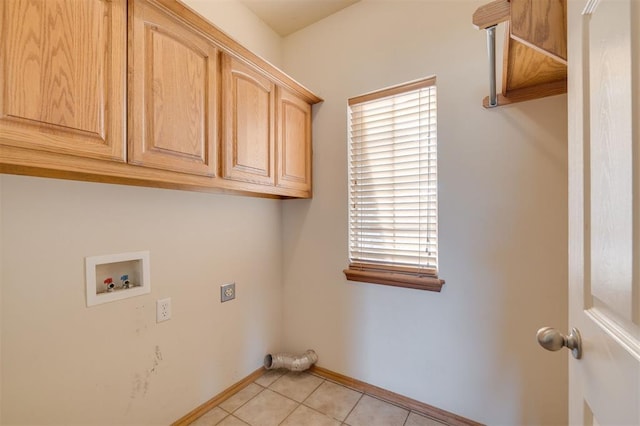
point(288, 16)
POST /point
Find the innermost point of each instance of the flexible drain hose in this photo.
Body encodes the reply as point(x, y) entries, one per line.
point(291, 362)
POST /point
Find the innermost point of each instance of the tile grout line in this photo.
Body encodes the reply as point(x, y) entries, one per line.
point(299, 403)
point(406, 419)
point(292, 411)
point(241, 405)
point(341, 422)
point(246, 402)
point(344, 422)
point(288, 397)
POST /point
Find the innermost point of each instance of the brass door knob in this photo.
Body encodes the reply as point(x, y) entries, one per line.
point(552, 340)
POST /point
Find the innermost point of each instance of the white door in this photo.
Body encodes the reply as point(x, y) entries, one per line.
point(604, 210)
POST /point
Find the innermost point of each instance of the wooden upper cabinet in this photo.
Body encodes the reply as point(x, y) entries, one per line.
point(294, 142)
point(62, 76)
point(146, 92)
point(248, 120)
point(173, 92)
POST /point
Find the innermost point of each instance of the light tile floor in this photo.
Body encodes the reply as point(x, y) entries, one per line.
point(285, 398)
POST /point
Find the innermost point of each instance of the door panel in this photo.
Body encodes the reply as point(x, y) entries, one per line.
point(294, 142)
point(249, 123)
point(604, 166)
point(174, 89)
point(611, 158)
point(63, 76)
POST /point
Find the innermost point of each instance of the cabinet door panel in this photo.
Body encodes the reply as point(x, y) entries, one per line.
point(248, 134)
point(294, 142)
point(173, 95)
point(62, 68)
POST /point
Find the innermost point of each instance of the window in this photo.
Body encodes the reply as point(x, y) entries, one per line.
point(393, 203)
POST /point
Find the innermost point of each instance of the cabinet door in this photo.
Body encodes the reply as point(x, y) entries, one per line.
point(248, 123)
point(294, 142)
point(172, 93)
point(62, 76)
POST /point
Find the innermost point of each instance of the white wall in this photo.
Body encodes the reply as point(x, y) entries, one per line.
point(240, 23)
point(64, 363)
point(503, 205)
point(1, 286)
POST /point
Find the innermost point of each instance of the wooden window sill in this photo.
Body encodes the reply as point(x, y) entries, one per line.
point(420, 282)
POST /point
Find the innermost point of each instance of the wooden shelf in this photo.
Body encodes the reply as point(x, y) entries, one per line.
point(535, 48)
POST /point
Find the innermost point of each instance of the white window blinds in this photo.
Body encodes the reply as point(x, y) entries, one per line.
point(393, 203)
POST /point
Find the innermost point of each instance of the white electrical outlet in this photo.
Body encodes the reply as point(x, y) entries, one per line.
point(163, 309)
